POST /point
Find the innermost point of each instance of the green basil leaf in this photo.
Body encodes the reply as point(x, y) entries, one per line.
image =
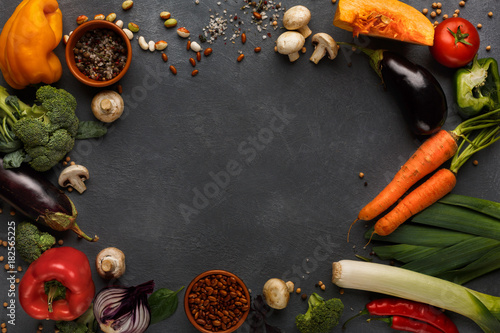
point(163, 304)
point(91, 130)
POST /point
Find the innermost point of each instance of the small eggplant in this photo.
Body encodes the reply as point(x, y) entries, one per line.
point(29, 193)
point(417, 92)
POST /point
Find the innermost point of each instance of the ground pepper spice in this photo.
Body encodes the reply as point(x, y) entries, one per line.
point(100, 54)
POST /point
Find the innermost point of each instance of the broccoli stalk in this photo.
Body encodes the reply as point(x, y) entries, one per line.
point(31, 242)
point(322, 315)
point(41, 134)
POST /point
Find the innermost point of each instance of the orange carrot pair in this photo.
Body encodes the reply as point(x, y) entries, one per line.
point(429, 156)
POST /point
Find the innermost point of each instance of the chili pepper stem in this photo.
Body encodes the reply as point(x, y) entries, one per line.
point(361, 313)
point(50, 297)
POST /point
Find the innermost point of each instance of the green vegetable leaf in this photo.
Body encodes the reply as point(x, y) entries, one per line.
point(11, 146)
point(14, 102)
point(163, 304)
point(15, 159)
point(91, 130)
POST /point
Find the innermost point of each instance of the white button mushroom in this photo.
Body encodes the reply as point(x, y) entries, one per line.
point(74, 176)
point(110, 263)
point(297, 18)
point(290, 43)
point(323, 44)
point(107, 106)
point(277, 293)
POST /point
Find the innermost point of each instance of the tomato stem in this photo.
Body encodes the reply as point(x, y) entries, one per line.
point(459, 36)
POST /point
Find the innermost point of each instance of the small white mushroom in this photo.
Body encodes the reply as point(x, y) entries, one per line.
point(290, 43)
point(107, 106)
point(323, 44)
point(277, 293)
point(74, 176)
point(110, 263)
point(297, 18)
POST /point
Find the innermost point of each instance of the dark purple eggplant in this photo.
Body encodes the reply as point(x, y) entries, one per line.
point(29, 193)
point(417, 92)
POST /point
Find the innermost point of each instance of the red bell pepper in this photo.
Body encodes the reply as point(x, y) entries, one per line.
point(64, 266)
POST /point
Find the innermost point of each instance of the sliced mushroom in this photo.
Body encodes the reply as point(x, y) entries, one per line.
point(323, 44)
point(74, 176)
point(277, 293)
point(110, 263)
point(290, 43)
point(297, 18)
point(107, 106)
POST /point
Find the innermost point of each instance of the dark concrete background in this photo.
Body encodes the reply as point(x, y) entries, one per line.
point(278, 147)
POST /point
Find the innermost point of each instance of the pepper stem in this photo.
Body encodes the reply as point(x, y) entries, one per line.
point(55, 290)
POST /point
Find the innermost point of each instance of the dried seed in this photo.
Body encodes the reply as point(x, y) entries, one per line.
point(257, 15)
point(208, 51)
point(126, 5)
point(192, 62)
point(170, 23)
point(111, 17)
point(198, 56)
point(129, 33)
point(119, 89)
point(173, 69)
point(164, 57)
point(151, 45)
point(65, 39)
point(165, 15)
point(142, 43)
point(81, 19)
point(119, 23)
point(257, 49)
point(133, 27)
point(240, 57)
point(161, 45)
point(183, 32)
point(195, 47)
point(188, 45)
point(195, 72)
point(99, 17)
point(243, 38)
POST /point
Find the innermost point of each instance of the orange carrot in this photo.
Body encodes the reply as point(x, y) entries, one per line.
point(429, 156)
point(436, 187)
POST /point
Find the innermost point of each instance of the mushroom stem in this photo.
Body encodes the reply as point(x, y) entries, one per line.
point(293, 56)
point(106, 106)
point(108, 264)
point(78, 184)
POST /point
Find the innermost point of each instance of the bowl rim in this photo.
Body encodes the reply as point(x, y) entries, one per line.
point(77, 34)
point(215, 272)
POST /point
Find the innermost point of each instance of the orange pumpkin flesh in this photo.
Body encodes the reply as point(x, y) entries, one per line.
point(384, 18)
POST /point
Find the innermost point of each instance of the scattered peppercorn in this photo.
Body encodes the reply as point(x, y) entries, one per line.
point(303, 296)
point(475, 162)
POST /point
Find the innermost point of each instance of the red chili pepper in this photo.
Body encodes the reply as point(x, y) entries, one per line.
point(412, 309)
point(69, 267)
point(409, 325)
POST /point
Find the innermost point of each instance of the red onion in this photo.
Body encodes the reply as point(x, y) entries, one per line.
point(124, 309)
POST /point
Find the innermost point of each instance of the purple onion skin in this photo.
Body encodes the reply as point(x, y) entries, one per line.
point(132, 315)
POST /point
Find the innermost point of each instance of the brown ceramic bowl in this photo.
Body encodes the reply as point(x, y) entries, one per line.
point(223, 294)
point(75, 37)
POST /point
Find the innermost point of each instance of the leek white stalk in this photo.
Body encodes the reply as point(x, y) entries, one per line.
point(483, 309)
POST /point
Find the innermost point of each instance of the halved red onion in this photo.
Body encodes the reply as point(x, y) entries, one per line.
point(124, 309)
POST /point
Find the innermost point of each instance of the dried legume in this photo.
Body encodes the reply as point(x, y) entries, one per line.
point(100, 54)
point(217, 302)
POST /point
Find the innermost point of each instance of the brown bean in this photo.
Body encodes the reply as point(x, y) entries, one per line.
point(192, 62)
point(164, 57)
point(243, 38)
point(257, 49)
point(188, 45)
point(198, 56)
point(208, 51)
point(240, 57)
point(173, 69)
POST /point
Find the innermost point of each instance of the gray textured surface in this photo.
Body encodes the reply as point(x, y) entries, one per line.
point(285, 205)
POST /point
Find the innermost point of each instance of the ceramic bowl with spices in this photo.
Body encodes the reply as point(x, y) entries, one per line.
point(217, 301)
point(98, 53)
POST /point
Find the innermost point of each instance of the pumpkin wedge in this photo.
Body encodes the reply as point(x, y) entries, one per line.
point(384, 18)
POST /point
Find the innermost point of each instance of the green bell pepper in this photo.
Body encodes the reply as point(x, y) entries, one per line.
point(478, 87)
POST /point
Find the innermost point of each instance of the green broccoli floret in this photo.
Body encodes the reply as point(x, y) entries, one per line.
point(86, 323)
point(46, 130)
point(322, 315)
point(31, 242)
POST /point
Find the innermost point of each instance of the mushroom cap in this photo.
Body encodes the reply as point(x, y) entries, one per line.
point(276, 293)
point(107, 106)
point(323, 44)
point(290, 42)
point(73, 170)
point(296, 17)
point(116, 256)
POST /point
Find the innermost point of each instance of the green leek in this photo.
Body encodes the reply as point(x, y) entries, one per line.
point(483, 309)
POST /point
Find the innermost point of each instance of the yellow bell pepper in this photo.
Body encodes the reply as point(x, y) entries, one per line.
point(27, 42)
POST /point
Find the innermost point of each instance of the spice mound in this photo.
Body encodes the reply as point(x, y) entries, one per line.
point(100, 54)
point(217, 301)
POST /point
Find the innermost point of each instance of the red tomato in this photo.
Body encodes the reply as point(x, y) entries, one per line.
point(456, 42)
